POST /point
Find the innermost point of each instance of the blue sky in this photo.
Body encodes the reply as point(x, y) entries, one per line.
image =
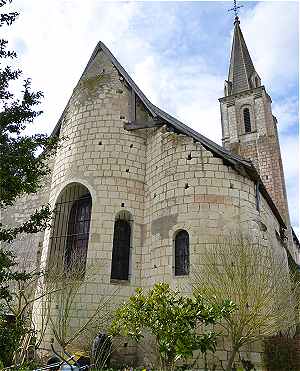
point(177, 52)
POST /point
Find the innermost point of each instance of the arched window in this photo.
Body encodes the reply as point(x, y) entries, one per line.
point(70, 230)
point(182, 254)
point(247, 120)
point(78, 234)
point(121, 248)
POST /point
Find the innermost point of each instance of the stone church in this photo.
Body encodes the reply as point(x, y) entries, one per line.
point(138, 194)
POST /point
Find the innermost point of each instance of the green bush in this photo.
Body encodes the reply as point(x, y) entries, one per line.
point(173, 320)
point(11, 334)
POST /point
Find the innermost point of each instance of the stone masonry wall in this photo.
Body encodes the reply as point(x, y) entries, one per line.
point(261, 145)
point(188, 188)
point(28, 248)
point(110, 162)
point(166, 182)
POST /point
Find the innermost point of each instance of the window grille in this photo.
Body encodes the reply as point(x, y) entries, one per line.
point(121, 250)
point(78, 233)
point(182, 255)
point(70, 230)
point(247, 120)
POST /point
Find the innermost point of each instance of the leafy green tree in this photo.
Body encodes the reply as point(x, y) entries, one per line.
point(174, 320)
point(21, 169)
point(11, 332)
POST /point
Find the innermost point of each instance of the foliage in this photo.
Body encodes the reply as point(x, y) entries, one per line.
point(7, 275)
point(25, 289)
point(256, 277)
point(11, 333)
point(21, 169)
point(21, 173)
point(37, 222)
point(53, 294)
point(172, 319)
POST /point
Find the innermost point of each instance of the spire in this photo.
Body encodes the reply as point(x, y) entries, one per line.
point(242, 75)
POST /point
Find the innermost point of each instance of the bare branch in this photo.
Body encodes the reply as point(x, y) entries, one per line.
point(255, 276)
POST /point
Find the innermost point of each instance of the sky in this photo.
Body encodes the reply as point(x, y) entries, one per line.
point(177, 52)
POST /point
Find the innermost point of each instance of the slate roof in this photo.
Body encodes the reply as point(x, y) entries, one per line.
point(241, 67)
point(241, 165)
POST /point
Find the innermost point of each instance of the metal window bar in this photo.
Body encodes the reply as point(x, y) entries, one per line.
point(70, 228)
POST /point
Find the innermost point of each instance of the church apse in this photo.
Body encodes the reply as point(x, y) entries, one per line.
point(68, 244)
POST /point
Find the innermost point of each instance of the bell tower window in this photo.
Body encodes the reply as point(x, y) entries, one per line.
point(247, 120)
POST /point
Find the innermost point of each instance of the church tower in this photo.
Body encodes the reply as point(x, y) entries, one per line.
point(249, 128)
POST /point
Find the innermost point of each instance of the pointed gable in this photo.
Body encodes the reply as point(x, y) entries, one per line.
point(160, 118)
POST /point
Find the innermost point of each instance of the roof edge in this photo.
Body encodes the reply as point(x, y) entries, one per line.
point(235, 160)
point(101, 46)
point(239, 164)
point(252, 90)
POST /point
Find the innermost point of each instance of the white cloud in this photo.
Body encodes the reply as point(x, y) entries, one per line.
point(58, 36)
point(185, 89)
point(145, 74)
point(62, 35)
point(290, 154)
point(287, 112)
point(271, 30)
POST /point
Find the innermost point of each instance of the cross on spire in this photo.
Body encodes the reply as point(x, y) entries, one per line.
point(235, 9)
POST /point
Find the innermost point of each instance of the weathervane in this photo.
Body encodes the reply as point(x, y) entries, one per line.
point(235, 9)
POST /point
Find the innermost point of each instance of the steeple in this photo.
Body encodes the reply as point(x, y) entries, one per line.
point(242, 75)
point(249, 128)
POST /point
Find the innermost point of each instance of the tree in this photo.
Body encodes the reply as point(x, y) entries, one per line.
point(21, 170)
point(255, 277)
point(18, 323)
point(63, 304)
point(10, 331)
point(173, 320)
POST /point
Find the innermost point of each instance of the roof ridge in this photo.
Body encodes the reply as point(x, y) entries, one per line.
point(243, 166)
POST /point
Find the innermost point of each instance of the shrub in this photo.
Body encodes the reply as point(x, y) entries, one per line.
point(174, 321)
